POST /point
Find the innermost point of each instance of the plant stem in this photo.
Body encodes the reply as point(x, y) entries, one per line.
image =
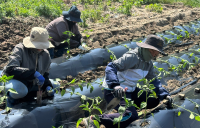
point(145, 107)
point(186, 109)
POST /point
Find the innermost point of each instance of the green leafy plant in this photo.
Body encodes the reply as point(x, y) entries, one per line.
point(3, 80)
point(187, 34)
point(138, 3)
point(166, 73)
point(112, 56)
point(193, 115)
point(148, 88)
point(126, 7)
point(87, 107)
point(179, 37)
point(154, 7)
point(47, 8)
point(121, 110)
point(126, 47)
point(70, 34)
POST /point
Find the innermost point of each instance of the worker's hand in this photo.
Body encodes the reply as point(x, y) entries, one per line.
point(119, 92)
point(39, 78)
point(170, 101)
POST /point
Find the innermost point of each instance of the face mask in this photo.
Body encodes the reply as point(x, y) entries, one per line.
point(146, 54)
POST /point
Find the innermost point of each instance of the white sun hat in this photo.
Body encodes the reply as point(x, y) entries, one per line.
point(38, 39)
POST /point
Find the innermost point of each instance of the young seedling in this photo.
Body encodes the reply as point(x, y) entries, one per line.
point(3, 80)
point(193, 115)
point(112, 57)
point(147, 88)
point(126, 47)
point(187, 34)
point(87, 107)
point(70, 34)
point(122, 109)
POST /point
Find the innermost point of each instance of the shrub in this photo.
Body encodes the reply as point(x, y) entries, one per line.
point(154, 7)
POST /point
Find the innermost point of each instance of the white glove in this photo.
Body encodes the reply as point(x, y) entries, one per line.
point(81, 47)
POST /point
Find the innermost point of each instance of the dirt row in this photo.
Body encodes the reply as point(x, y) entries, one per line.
point(119, 27)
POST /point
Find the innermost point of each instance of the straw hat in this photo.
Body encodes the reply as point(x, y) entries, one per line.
point(153, 42)
point(38, 39)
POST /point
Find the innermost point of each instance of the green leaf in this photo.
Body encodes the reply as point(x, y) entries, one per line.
point(116, 120)
point(141, 80)
point(154, 93)
point(53, 127)
point(97, 117)
point(143, 104)
point(197, 118)
point(152, 115)
point(73, 81)
point(136, 106)
point(140, 113)
point(80, 86)
point(96, 123)
point(7, 109)
point(82, 105)
point(73, 89)
point(88, 84)
point(140, 93)
point(56, 91)
point(87, 109)
point(179, 113)
point(79, 121)
point(9, 78)
point(77, 93)
point(111, 57)
point(91, 89)
point(151, 86)
point(67, 51)
point(191, 116)
point(121, 110)
point(12, 90)
point(63, 92)
point(2, 99)
point(97, 108)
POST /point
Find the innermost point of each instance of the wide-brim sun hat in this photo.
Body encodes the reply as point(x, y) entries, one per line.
point(73, 14)
point(38, 39)
point(153, 42)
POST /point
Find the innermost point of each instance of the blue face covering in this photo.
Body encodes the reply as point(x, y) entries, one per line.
point(146, 54)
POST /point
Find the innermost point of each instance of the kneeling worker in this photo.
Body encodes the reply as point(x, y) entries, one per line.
point(56, 29)
point(29, 63)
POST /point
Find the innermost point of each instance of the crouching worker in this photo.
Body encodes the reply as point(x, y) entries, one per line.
point(125, 72)
point(56, 29)
point(29, 63)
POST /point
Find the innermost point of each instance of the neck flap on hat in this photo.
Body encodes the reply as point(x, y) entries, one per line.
point(146, 54)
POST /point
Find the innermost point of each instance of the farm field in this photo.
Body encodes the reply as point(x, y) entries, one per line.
point(106, 23)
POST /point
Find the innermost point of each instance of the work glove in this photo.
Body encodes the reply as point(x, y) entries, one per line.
point(50, 91)
point(170, 101)
point(118, 92)
point(40, 78)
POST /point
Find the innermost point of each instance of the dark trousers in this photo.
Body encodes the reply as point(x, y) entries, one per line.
point(130, 114)
point(58, 51)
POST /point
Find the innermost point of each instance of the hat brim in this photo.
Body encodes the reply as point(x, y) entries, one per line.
point(144, 45)
point(70, 18)
point(37, 45)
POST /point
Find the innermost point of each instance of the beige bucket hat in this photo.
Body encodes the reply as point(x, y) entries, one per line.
point(38, 39)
